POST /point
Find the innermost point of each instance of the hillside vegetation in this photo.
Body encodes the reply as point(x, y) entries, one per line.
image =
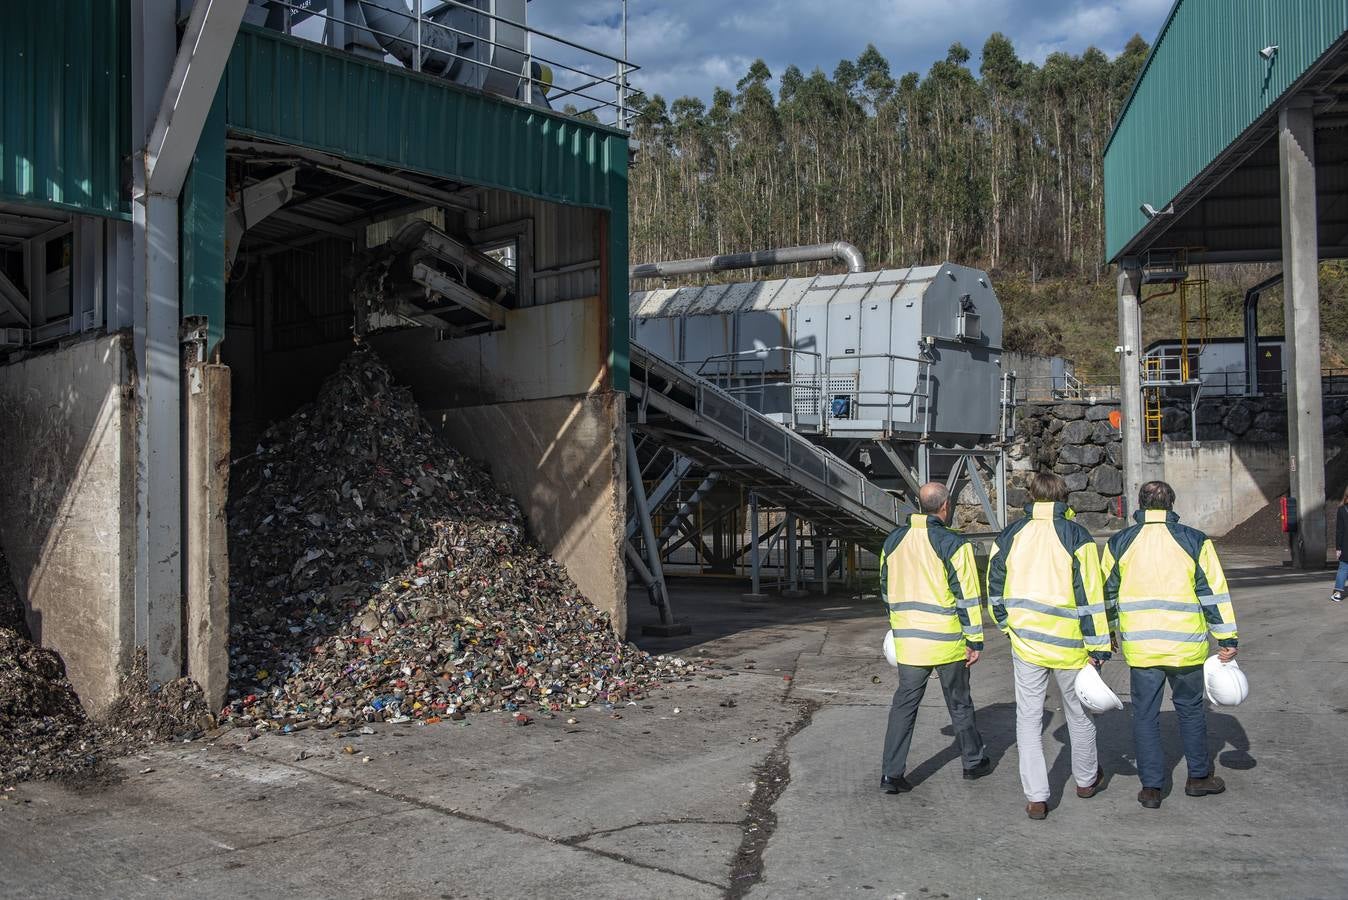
point(996, 164)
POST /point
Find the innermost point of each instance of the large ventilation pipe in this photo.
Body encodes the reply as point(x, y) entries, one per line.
point(839, 250)
point(395, 28)
point(1252, 332)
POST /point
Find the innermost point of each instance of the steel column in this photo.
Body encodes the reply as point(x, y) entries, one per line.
point(643, 513)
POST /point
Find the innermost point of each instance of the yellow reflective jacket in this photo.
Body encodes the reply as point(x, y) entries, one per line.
point(929, 580)
point(1165, 592)
point(1044, 589)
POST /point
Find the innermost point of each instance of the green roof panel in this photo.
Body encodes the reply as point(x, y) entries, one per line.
point(1202, 86)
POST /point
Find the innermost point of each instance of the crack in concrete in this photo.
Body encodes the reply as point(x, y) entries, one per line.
point(492, 823)
point(577, 839)
point(771, 778)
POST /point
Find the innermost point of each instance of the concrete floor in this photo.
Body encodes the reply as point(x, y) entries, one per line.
point(774, 796)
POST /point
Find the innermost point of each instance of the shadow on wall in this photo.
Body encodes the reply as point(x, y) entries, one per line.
point(66, 435)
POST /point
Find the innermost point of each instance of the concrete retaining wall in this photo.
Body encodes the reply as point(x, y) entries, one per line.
point(67, 504)
point(1220, 484)
point(532, 403)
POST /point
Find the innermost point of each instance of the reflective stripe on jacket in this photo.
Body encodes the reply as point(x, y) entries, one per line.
point(1165, 592)
point(1045, 591)
point(929, 580)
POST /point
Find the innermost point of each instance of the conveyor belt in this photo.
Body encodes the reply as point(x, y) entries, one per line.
point(722, 435)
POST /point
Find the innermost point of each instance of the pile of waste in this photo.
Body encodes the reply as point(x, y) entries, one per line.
point(376, 575)
point(45, 732)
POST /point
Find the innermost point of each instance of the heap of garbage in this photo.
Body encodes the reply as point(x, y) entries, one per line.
point(377, 575)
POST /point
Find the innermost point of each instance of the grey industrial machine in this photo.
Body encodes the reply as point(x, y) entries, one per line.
point(897, 371)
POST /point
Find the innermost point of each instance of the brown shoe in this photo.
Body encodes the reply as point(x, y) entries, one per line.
point(1090, 790)
point(1200, 787)
point(1036, 809)
point(1150, 798)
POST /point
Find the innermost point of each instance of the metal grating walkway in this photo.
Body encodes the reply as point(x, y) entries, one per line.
point(722, 435)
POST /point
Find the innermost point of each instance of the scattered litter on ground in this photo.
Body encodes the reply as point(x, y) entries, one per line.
point(377, 576)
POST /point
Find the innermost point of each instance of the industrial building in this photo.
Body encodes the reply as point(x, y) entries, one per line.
point(190, 195)
point(1231, 149)
point(203, 204)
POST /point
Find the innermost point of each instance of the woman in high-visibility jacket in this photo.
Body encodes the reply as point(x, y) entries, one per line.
point(1045, 593)
point(929, 581)
point(1165, 592)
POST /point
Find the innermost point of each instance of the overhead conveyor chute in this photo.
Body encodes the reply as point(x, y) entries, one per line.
point(425, 276)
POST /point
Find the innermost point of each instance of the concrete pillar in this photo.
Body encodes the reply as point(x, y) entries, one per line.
point(1130, 377)
point(206, 540)
point(1300, 265)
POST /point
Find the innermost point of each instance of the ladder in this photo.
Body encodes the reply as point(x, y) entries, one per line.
point(1151, 396)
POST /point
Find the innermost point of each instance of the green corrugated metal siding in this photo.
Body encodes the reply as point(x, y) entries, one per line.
point(297, 92)
point(1202, 86)
point(202, 245)
point(65, 104)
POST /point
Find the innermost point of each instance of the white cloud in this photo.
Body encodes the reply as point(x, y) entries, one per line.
point(692, 46)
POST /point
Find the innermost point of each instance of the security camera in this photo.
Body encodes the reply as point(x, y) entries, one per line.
point(1269, 52)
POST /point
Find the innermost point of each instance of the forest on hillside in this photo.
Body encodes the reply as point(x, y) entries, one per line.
point(998, 166)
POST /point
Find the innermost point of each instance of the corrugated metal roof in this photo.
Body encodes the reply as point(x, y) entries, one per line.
point(1202, 87)
point(65, 104)
point(781, 293)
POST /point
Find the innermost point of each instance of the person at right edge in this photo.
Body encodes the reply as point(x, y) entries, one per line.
point(929, 581)
point(1341, 544)
point(1164, 594)
point(1045, 593)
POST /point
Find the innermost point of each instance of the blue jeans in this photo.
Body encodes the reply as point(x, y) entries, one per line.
point(1341, 580)
point(1186, 690)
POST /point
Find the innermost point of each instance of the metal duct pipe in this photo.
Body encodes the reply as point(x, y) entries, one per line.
point(1252, 332)
point(395, 28)
point(839, 250)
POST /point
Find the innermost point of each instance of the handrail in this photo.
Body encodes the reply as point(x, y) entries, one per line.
point(618, 81)
point(923, 377)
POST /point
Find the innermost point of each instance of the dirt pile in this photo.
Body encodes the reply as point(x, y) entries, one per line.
point(376, 575)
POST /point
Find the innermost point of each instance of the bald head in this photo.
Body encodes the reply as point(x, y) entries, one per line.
point(933, 497)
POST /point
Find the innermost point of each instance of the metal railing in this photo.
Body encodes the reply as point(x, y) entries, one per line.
point(889, 392)
point(1052, 388)
point(596, 83)
point(728, 374)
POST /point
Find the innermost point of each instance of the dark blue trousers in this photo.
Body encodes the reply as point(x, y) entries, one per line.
point(1186, 691)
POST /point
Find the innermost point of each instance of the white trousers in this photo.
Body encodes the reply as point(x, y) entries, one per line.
point(1031, 687)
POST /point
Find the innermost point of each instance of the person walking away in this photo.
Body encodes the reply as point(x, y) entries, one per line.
point(1045, 592)
point(929, 581)
point(1164, 594)
point(1340, 540)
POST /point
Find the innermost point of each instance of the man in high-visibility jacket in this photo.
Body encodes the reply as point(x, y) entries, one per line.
point(1165, 593)
point(929, 580)
point(1045, 593)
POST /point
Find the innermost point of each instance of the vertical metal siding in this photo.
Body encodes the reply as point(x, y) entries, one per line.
point(301, 93)
point(1203, 85)
point(65, 100)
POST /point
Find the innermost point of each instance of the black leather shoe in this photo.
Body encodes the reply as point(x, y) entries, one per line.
point(1201, 787)
point(979, 770)
point(1150, 798)
point(895, 785)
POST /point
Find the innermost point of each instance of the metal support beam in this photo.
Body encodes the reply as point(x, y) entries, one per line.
point(755, 560)
point(1130, 375)
point(643, 512)
point(1301, 270)
point(197, 68)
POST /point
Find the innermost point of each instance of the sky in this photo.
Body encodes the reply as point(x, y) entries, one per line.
point(690, 47)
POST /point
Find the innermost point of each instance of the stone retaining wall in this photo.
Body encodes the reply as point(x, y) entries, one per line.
point(1076, 441)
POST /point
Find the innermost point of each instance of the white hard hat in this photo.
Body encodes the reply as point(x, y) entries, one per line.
point(890, 657)
point(1226, 684)
point(1093, 693)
